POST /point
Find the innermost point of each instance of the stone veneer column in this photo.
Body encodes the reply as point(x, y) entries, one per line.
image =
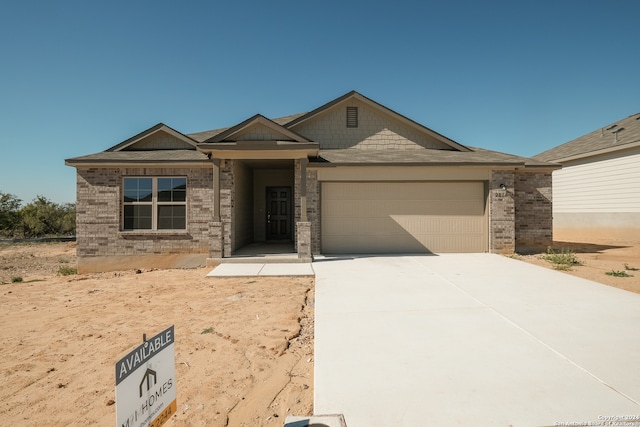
point(216, 243)
point(501, 212)
point(303, 233)
point(216, 249)
point(227, 196)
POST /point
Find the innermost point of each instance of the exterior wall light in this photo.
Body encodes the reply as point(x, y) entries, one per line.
point(503, 187)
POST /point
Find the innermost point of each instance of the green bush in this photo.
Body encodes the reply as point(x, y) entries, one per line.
point(615, 273)
point(67, 271)
point(16, 279)
point(563, 260)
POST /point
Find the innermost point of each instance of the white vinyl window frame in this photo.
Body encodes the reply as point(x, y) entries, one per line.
point(148, 205)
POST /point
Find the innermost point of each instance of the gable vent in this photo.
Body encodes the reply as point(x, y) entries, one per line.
point(352, 117)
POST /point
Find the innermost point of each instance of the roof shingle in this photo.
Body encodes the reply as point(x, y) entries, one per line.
point(615, 136)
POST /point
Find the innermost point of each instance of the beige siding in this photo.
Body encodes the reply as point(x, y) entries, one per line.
point(161, 141)
point(605, 184)
point(259, 132)
point(375, 131)
point(376, 217)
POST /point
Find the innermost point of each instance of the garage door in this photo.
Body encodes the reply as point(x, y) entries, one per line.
point(403, 217)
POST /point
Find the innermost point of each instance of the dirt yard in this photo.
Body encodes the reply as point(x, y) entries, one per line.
point(599, 257)
point(244, 347)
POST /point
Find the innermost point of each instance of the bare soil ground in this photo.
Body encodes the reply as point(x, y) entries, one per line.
point(244, 347)
point(599, 256)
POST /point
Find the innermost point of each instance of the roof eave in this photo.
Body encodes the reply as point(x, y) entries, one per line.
point(76, 163)
point(510, 165)
point(145, 133)
point(607, 150)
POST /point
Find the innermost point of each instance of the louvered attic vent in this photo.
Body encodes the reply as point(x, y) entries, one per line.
point(352, 117)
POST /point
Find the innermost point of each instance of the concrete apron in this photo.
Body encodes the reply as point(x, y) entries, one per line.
point(471, 339)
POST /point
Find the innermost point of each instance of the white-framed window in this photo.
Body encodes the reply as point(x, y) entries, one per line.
point(154, 203)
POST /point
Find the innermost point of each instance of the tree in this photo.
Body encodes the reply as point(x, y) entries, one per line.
point(9, 214)
point(43, 217)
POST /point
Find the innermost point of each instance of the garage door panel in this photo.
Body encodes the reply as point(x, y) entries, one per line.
point(403, 217)
point(363, 208)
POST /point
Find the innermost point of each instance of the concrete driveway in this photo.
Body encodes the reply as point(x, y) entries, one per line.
point(471, 340)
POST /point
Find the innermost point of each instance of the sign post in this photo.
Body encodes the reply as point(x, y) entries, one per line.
point(146, 383)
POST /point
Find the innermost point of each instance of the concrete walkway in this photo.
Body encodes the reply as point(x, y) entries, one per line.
point(262, 269)
point(471, 340)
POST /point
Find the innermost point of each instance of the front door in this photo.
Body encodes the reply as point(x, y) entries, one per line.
point(278, 213)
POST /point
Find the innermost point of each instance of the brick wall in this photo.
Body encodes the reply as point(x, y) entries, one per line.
point(313, 209)
point(98, 214)
point(533, 208)
point(501, 213)
point(227, 202)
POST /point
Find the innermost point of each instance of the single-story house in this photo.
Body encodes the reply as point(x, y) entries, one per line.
point(351, 176)
point(597, 192)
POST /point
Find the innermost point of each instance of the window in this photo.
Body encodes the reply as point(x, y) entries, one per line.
point(158, 203)
point(352, 117)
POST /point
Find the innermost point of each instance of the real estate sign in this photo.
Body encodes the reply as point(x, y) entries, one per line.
point(146, 383)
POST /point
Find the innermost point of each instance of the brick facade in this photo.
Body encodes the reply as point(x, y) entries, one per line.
point(520, 217)
point(99, 215)
point(501, 212)
point(533, 211)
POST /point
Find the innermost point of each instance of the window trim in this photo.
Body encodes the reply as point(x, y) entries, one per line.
point(154, 203)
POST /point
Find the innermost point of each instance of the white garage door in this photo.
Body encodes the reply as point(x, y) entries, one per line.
point(403, 217)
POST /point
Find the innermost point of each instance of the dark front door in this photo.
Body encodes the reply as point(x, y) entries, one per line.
point(278, 213)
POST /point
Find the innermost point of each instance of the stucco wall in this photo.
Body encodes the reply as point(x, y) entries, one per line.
point(243, 208)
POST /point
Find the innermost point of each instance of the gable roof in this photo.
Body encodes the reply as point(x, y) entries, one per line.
point(617, 136)
point(355, 95)
point(196, 148)
point(258, 119)
point(160, 127)
point(208, 134)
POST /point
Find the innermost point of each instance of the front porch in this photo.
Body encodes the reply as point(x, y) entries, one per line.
point(262, 207)
point(264, 253)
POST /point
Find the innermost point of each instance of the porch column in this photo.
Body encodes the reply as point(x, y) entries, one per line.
point(216, 235)
point(303, 189)
point(216, 190)
point(303, 235)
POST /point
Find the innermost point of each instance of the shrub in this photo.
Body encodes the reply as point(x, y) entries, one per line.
point(67, 271)
point(16, 279)
point(615, 273)
point(563, 260)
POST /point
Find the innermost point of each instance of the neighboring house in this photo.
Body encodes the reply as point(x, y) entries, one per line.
point(351, 176)
point(597, 192)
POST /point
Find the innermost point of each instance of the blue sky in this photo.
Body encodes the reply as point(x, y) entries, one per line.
point(516, 76)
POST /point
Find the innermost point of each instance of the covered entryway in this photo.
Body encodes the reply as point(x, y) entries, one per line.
point(404, 217)
point(279, 226)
